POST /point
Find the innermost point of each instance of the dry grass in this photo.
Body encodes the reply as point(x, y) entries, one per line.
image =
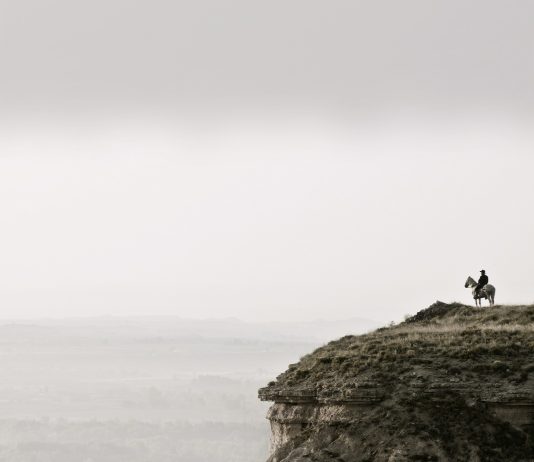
point(447, 345)
point(473, 343)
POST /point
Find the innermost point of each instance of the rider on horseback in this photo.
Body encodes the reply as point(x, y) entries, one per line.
point(482, 281)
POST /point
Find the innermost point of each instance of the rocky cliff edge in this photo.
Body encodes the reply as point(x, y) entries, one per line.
point(452, 383)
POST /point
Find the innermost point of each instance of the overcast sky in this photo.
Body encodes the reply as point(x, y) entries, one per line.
point(267, 160)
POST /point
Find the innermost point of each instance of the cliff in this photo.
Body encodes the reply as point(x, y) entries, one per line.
point(452, 383)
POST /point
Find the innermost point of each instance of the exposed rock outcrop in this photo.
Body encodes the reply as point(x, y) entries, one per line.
point(452, 383)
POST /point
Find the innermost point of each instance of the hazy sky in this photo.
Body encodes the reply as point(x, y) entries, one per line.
point(265, 160)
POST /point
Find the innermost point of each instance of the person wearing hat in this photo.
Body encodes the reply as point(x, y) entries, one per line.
point(482, 281)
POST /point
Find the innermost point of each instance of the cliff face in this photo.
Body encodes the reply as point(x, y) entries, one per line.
point(451, 383)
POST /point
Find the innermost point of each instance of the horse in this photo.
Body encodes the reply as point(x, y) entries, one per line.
point(488, 292)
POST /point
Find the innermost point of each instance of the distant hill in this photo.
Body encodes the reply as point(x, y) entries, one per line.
point(165, 327)
point(452, 383)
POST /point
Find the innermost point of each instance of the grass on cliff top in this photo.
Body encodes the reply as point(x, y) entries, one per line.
point(444, 339)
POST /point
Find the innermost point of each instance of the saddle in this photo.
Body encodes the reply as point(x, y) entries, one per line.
point(482, 292)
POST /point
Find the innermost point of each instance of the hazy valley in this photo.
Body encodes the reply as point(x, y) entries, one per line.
point(144, 389)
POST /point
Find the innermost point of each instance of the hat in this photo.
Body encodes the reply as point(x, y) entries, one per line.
point(482, 271)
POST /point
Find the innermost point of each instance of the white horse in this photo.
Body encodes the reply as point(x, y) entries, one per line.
point(488, 292)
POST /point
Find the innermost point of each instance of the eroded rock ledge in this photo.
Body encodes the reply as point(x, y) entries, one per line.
point(401, 393)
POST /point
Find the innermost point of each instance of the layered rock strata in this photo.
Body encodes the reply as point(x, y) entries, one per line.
point(445, 362)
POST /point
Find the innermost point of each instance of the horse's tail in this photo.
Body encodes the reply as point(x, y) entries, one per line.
point(491, 293)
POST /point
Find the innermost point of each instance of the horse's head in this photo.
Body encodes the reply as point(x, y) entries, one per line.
point(470, 282)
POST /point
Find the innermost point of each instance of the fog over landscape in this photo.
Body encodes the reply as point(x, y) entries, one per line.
point(144, 388)
point(195, 194)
